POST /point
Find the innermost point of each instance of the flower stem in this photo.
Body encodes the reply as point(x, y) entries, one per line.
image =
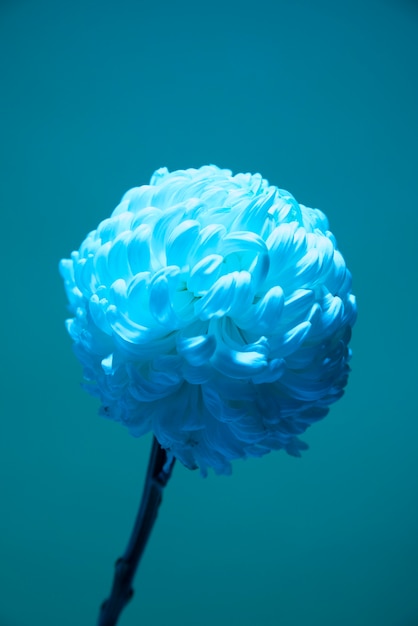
point(159, 471)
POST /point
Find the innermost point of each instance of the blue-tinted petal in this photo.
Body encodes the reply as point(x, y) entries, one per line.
point(204, 274)
point(196, 350)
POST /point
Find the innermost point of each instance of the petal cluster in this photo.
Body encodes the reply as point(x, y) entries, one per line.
point(215, 311)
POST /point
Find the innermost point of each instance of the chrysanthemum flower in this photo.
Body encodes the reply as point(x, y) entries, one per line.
point(215, 311)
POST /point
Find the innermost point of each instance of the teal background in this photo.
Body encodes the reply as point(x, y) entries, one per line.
point(322, 99)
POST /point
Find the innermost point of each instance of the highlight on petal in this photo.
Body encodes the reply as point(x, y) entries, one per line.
point(214, 310)
point(204, 274)
point(230, 292)
point(196, 350)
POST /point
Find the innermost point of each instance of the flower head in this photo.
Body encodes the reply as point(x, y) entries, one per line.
point(215, 311)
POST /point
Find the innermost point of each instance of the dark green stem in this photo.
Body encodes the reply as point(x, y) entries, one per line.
point(159, 471)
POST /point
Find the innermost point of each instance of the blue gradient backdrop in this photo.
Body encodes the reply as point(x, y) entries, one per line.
point(321, 98)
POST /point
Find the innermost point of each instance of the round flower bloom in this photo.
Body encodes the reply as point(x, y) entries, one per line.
point(215, 311)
